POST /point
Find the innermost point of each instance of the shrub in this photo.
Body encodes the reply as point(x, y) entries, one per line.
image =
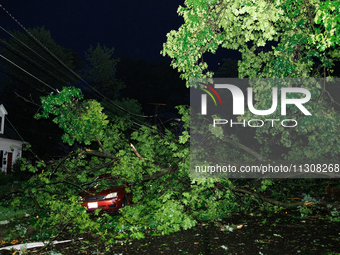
point(6, 178)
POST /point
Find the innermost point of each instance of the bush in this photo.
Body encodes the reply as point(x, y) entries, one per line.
point(17, 173)
point(6, 178)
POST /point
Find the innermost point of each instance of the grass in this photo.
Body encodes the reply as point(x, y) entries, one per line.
point(5, 188)
point(9, 213)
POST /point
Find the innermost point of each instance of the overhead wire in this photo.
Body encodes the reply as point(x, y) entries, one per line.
point(22, 44)
point(67, 68)
point(70, 70)
point(22, 69)
point(29, 60)
point(162, 122)
point(28, 148)
point(17, 78)
point(16, 131)
point(32, 37)
point(27, 72)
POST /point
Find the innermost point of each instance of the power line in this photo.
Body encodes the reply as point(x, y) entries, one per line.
point(22, 44)
point(15, 129)
point(26, 72)
point(29, 60)
point(70, 70)
point(39, 43)
point(67, 68)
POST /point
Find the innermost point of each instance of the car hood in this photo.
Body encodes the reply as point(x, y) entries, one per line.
point(93, 192)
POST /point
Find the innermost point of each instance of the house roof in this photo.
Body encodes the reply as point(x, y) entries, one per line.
point(9, 133)
point(2, 110)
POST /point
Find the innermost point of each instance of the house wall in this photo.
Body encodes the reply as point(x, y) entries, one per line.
point(5, 150)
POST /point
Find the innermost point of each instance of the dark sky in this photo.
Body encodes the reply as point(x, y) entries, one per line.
point(133, 27)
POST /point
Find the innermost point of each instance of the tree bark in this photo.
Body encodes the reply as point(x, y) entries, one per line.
point(246, 149)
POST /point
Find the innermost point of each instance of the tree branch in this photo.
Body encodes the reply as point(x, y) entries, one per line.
point(165, 170)
point(246, 149)
point(135, 151)
point(26, 100)
point(157, 174)
point(12, 192)
point(33, 198)
point(269, 200)
point(101, 166)
point(100, 144)
point(103, 154)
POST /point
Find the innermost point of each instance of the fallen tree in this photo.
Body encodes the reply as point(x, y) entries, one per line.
point(166, 198)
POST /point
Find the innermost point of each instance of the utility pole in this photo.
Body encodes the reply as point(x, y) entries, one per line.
point(156, 107)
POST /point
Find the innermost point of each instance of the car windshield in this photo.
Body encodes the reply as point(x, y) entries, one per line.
point(99, 180)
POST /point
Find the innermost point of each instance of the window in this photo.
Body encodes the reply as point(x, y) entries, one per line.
point(1, 126)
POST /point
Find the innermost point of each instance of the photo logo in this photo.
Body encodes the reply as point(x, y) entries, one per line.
point(204, 97)
point(239, 102)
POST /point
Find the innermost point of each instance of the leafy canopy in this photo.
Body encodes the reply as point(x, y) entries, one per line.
point(101, 70)
point(277, 39)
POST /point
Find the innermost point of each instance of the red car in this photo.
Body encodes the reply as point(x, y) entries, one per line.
point(110, 199)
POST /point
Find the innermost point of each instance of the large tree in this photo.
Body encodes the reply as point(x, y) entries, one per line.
point(166, 199)
point(101, 71)
point(277, 39)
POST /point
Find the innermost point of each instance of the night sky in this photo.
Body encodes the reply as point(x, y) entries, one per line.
point(134, 28)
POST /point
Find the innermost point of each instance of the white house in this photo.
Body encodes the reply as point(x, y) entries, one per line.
point(10, 143)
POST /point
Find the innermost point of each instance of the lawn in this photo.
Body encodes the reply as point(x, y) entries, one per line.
point(7, 213)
